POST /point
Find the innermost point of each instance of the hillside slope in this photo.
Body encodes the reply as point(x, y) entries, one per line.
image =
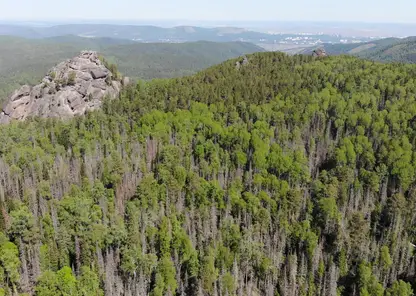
point(270, 176)
point(24, 61)
point(384, 50)
point(403, 50)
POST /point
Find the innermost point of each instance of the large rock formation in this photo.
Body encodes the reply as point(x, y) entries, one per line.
point(69, 89)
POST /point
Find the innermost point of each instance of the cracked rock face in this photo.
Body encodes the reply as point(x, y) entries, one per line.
point(69, 89)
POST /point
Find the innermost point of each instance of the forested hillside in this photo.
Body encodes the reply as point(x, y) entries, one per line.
point(383, 50)
point(24, 61)
point(403, 50)
point(275, 176)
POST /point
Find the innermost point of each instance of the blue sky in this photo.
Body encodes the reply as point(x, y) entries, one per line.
point(277, 10)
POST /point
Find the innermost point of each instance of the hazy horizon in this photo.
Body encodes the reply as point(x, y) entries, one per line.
point(370, 11)
point(196, 22)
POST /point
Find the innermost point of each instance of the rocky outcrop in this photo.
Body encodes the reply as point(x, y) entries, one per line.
point(69, 89)
point(242, 62)
point(319, 53)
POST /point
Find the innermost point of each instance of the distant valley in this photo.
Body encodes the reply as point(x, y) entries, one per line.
point(26, 61)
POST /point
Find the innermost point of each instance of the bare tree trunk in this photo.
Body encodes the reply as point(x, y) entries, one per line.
point(77, 256)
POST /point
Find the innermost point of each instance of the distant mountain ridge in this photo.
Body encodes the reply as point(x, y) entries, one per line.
point(146, 33)
point(131, 32)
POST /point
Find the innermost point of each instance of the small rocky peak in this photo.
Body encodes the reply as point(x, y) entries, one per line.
point(319, 53)
point(69, 89)
point(242, 62)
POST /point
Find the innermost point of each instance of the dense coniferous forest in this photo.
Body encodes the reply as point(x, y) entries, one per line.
point(277, 176)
